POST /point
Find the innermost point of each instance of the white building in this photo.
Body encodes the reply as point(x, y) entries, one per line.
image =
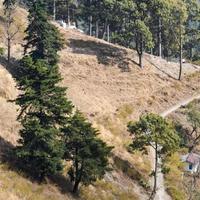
point(192, 161)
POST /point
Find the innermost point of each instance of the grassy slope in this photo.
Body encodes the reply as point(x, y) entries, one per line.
point(106, 84)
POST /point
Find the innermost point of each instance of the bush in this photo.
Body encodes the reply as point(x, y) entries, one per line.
point(2, 51)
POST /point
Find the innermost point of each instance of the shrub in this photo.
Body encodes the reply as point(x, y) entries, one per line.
point(2, 50)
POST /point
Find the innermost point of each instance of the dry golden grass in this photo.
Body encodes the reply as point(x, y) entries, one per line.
point(107, 85)
point(174, 179)
point(107, 191)
point(15, 187)
point(20, 24)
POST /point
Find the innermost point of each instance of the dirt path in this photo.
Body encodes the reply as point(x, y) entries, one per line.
point(161, 193)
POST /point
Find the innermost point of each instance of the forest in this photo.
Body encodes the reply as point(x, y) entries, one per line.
point(169, 28)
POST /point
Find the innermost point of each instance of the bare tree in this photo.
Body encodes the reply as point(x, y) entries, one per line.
point(11, 28)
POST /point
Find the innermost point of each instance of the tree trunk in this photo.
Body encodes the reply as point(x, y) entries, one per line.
point(75, 188)
point(155, 173)
point(9, 50)
point(140, 60)
point(139, 48)
point(191, 53)
point(68, 14)
point(141, 53)
point(54, 10)
point(78, 172)
point(181, 55)
point(90, 25)
point(97, 29)
point(160, 38)
point(108, 33)
point(156, 170)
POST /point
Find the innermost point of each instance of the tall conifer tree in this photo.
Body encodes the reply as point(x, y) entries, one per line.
point(43, 39)
point(44, 108)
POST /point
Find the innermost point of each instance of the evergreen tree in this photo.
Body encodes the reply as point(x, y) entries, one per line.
point(89, 155)
point(43, 106)
point(141, 30)
point(43, 39)
point(159, 14)
point(192, 33)
point(178, 17)
point(43, 110)
point(155, 132)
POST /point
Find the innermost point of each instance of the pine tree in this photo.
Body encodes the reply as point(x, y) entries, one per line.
point(155, 132)
point(192, 34)
point(43, 39)
point(89, 155)
point(44, 108)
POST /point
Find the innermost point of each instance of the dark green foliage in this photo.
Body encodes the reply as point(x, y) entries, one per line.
point(152, 128)
point(89, 154)
point(2, 50)
point(43, 108)
point(136, 24)
point(156, 132)
point(9, 3)
point(193, 117)
point(192, 41)
point(43, 39)
point(42, 96)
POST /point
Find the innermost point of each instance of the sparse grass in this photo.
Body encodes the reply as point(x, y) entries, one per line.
point(134, 165)
point(103, 190)
point(173, 179)
point(19, 188)
point(133, 171)
point(197, 62)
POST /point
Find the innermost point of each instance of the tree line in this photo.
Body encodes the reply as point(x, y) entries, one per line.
point(164, 28)
point(169, 29)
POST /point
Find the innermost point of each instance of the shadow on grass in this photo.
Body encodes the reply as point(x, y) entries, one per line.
point(12, 67)
point(107, 54)
point(7, 156)
point(161, 70)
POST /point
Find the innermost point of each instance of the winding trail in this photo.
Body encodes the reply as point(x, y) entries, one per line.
point(161, 192)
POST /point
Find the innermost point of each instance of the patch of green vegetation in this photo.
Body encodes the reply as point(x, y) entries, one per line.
point(2, 50)
point(115, 123)
point(110, 124)
point(173, 179)
point(197, 62)
point(124, 112)
point(103, 190)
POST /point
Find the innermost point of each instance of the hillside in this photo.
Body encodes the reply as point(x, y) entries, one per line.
point(106, 84)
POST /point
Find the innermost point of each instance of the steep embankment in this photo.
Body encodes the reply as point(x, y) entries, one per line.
point(106, 84)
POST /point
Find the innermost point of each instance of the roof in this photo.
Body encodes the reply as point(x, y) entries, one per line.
point(193, 158)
